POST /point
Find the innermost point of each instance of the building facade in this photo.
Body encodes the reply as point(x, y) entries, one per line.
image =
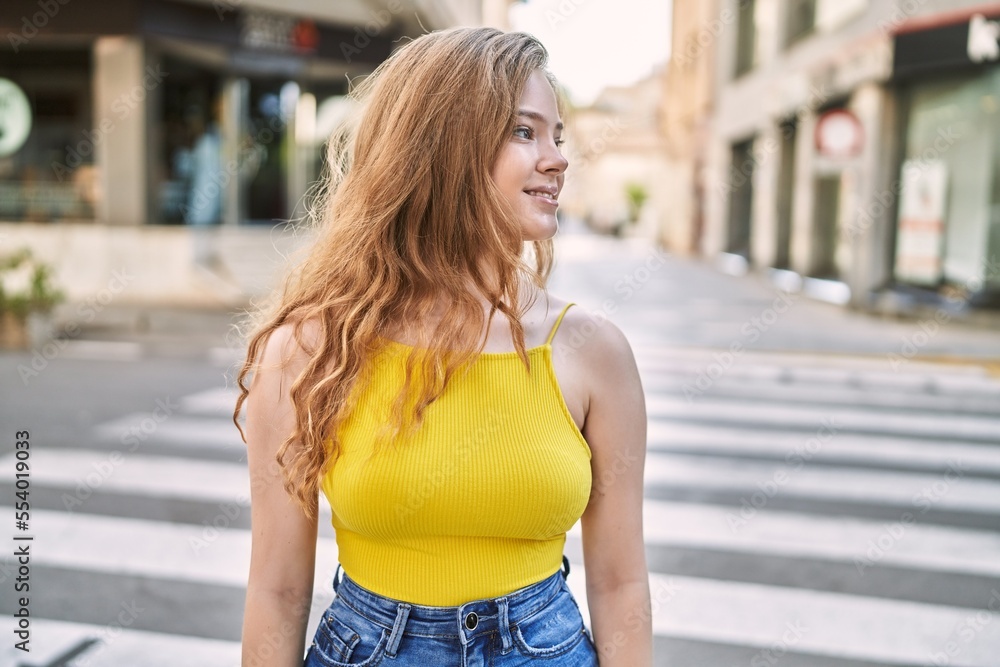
point(136, 129)
point(685, 115)
point(618, 163)
point(854, 146)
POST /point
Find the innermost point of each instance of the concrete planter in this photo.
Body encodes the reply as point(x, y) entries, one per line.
point(13, 331)
point(24, 333)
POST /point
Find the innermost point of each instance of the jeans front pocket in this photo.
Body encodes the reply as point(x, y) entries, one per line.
point(347, 639)
point(552, 631)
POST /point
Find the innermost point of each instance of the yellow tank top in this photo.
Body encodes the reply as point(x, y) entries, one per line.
point(477, 503)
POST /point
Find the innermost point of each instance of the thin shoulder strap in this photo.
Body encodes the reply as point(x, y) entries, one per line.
point(558, 322)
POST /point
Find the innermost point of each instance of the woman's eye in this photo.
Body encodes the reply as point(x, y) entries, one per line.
point(560, 142)
point(525, 130)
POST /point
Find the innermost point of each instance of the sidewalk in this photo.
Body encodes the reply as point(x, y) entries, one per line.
point(132, 330)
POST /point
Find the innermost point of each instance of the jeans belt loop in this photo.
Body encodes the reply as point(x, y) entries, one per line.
point(402, 613)
point(336, 584)
point(504, 624)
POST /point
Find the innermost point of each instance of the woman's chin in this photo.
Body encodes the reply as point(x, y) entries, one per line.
point(541, 230)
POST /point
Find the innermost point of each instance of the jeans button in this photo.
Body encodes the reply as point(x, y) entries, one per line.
point(471, 620)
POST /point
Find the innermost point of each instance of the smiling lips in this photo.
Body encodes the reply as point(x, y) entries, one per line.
point(545, 194)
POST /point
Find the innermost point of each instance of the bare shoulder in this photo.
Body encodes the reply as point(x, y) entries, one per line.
point(284, 356)
point(598, 341)
point(594, 358)
point(290, 345)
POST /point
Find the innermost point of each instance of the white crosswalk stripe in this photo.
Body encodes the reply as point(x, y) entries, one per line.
point(78, 473)
point(950, 490)
point(847, 539)
point(819, 623)
point(154, 550)
point(784, 620)
point(837, 418)
point(735, 454)
point(115, 645)
point(846, 448)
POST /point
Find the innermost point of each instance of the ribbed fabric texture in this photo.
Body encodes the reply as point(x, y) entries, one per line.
point(477, 503)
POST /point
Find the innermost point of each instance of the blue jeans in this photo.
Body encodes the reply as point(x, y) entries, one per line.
point(538, 624)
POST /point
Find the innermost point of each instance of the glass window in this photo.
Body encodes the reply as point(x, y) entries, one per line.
point(741, 198)
point(240, 150)
point(800, 20)
point(786, 191)
point(746, 42)
point(51, 176)
point(805, 17)
point(271, 106)
point(190, 184)
point(949, 218)
point(826, 245)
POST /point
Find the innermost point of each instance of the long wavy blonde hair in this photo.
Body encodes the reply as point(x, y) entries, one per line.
point(409, 218)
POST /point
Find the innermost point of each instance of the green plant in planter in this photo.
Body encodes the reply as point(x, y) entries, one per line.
point(636, 194)
point(26, 285)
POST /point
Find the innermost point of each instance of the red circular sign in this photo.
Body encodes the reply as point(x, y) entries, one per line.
point(839, 134)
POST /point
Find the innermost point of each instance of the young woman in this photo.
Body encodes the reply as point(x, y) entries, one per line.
point(455, 447)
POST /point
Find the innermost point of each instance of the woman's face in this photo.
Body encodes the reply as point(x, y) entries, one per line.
point(530, 168)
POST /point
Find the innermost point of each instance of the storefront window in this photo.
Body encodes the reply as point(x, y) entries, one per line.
point(51, 174)
point(741, 197)
point(237, 147)
point(190, 187)
point(271, 107)
point(949, 206)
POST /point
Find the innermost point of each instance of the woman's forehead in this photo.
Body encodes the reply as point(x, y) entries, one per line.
point(538, 100)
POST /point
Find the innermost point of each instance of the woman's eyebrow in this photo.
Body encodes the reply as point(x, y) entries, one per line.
point(537, 116)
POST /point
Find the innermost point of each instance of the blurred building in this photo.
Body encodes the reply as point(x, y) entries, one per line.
point(618, 164)
point(152, 135)
point(685, 113)
point(853, 146)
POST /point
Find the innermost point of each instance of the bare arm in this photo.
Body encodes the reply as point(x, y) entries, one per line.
point(613, 550)
point(283, 552)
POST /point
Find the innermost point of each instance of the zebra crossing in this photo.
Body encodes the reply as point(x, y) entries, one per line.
point(800, 510)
